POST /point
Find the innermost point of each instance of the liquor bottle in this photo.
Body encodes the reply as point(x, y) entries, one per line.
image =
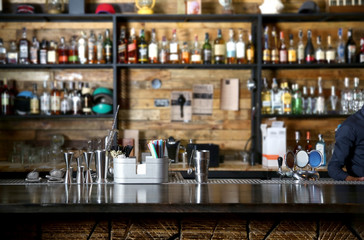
point(298, 146)
point(45, 100)
point(308, 146)
point(65, 106)
point(100, 50)
point(55, 99)
point(76, 100)
point(142, 48)
point(357, 97)
point(91, 44)
point(73, 51)
point(283, 53)
point(266, 98)
point(266, 50)
point(132, 47)
point(174, 49)
point(361, 54)
point(24, 47)
point(219, 51)
point(207, 50)
point(300, 48)
point(164, 53)
point(309, 49)
point(286, 99)
point(240, 49)
point(275, 51)
point(86, 99)
point(52, 53)
point(5, 99)
point(311, 104)
point(296, 100)
point(320, 100)
point(330, 53)
point(108, 47)
point(196, 52)
point(340, 47)
point(82, 48)
point(320, 52)
point(43, 52)
point(34, 101)
point(332, 107)
point(153, 48)
point(292, 52)
point(276, 98)
point(350, 48)
point(71, 94)
point(122, 46)
point(346, 97)
point(34, 51)
point(13, 56)
point(250, 51)
point(185, 53)
point(304, 100)
point(62, 52)
point(321, 147)
point(231, 48)
point(2, 52)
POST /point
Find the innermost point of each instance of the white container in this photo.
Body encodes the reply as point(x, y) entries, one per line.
point(154, 170)
point(274, 144)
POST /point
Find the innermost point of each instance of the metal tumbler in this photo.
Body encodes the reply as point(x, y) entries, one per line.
point(101, 166)
point(201, 161)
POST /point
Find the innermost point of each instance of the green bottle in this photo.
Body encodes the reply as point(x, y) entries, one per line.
point(296, 100)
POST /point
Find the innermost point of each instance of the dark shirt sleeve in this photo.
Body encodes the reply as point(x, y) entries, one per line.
point(345, 140)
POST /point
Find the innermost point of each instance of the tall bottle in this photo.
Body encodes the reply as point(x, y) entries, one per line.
point(320, 100)
point(34, 52)
point(231, 48)
point(24, 47)
point(153, 48)
point(100, 50)
point(174, 51)
point(250, 51)
point(276, 98)
point(332, 105)
point(45, 100)
point(300, 48)
point(309, 49)
point(43, 52)
point(13, 56)
point(207, 50)
point(321, 147)
point(34, 101)
point(298, 146)
point(220, 50)
point(266, 98)
point(2, 52)
point(283, 53)
point(361, 54)
point(91, 44)
point(350, 48)
point(5, 99)
point(122, 46)
point(266, 50)
point(62, 52)
point(86, 99)
point(52, 54)
point(296, 100)
point(142, 48)
point(275, 50)
point(108, 47)
point(55, 99)
point(132, 47)
point(185, 53)
point(76, 99)
point(73, 51)
point(82, 48)
point(196, 52)
point(240, 49)
point(292, 52)
point(357, 97)
point(320, 52)
point(164, 52)
point(340, 47)
point(65, 104)
point(308, 146)
point(330, 53)
point(286, 99)
point(304, 100)
point(346, 97)
point(311, 103)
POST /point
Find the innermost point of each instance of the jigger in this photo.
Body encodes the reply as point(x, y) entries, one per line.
point(88, 158)
point(68, 159)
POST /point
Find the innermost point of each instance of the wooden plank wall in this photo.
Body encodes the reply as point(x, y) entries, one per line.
point(229, 129)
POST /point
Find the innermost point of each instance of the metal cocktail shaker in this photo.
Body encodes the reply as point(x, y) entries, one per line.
point(201, 161)
point(102, 166)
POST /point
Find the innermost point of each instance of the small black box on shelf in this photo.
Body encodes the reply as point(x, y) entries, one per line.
point(76, 7)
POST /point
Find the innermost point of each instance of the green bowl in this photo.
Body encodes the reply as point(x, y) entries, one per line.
point(102, 90)
point(102, 108)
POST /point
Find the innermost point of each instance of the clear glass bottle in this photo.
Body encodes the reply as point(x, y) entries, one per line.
point(43, 52)
point(276, 98)
point(321, 147)
point(361, 54)
point(164, 52)
point(5, 99)
point(174, 52)
point(298, 146)
point(86, 99)
point(311, 101)
point(332, 105)
point(266, 98)
point(286, 99)
point(82, 48)
point(300, 48)
point(207, 50)
point(330, 54)
point(196, 52)
point(283, 53)
point(132, 47)
point(304, 100)
point(309, 49)
point(153, 48)
point(320, 100)
point(108, 47)
point(231, 48)
point(292, 52)
point(142, 48)
point(274, 50)
point(91, 44)
point(34, 101)
point(340, 47)
point(24, 47)
point(266, 50)
point(52, 55)
point(185, 53)
point(55, 99)
point(71, 94)
point(240, 49)
point(296, 100)
point(346, 97)
point(45, 100)
point(350, 48)
point(250, 51)
point(100, 50)
point(62, 52)
point(122, 46)
point(357, 97)
point(320, 52)
point(34, 51)
point(220, 49)
point(76, 99)
point(73, 51)
point(2, 52)
point(65, 107)
point(13, 57)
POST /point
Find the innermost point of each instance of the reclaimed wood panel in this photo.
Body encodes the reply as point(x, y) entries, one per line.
point(335, 230)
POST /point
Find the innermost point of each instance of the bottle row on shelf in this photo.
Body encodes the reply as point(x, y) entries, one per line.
point(300, 101)
point(56, 98)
